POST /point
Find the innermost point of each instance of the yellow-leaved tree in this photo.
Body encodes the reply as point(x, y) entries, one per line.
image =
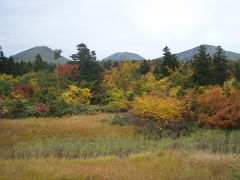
point(76, 95)
point(161, 108)
point(119, 85)
point(150, 85)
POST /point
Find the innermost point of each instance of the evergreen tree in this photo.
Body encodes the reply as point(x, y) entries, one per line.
point(38, 63)
point(219, 66)
point(237, 70)
point(115, 64)
point(169, 63)
point(107, 64)
point(89, 68)
point(10, 66)
point(144, 67)
point(57, 53)
point(1, 53)
point(3, 61)
point(202, 67)
point(157, 69)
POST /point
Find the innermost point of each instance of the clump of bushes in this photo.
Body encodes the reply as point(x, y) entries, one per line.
point(217, 108)
point(76, 95)
point(160, 108)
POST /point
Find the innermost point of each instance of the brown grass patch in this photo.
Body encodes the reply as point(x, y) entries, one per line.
point(161, 165)
point(14, 131)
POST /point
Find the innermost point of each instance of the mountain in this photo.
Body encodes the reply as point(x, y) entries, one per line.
point(188, 54)
point(46, 53)
point(121, 56)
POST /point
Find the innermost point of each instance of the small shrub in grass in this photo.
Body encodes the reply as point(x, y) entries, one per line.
point(84, 109)
point(162, 116)
point(117, 120)
point(158, 129)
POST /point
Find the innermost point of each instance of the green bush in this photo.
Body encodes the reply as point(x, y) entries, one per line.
point(157, 129)
point(5, 88)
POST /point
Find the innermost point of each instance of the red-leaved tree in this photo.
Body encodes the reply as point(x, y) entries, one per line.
point(66, 71)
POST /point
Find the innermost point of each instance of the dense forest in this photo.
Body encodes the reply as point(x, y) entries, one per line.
point(205, 90)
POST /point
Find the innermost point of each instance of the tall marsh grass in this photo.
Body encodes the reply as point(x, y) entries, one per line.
point(211, 141)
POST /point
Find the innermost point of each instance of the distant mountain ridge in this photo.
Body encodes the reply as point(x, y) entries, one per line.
point(121, 56)
point(45, 52)
point(188, 54)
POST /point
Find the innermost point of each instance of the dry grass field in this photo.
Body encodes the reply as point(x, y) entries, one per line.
point(37, 142)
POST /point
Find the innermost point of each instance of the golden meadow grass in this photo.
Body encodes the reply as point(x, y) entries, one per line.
point(14, 131)
point(88, 147)
point(170, 164)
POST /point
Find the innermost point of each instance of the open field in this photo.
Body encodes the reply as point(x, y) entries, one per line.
point(88, 147)
point(159, 165)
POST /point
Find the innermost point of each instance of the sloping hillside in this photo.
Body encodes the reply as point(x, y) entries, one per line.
point(188, 54)
point(121, 56)
point(46, 53)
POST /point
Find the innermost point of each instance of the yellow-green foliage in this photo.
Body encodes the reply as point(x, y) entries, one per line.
point(76, 95)
point(150, 85)
point(120, 81)
point(158, 107)
point(119, 85)
point(229, 86)
point(119, 105)
point(9, 78)
point(123, 76)
point(7, 83)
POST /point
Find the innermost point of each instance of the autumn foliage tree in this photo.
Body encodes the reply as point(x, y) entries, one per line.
point(77, 96)
point(218, 108)
point(67, 71)
point(160, 108)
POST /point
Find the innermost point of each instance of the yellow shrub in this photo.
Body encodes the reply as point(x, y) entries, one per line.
point(9, 78)
point(174, 92)
point(76, 95)
point(150, 85)
point(229, 87)
point(159, 108)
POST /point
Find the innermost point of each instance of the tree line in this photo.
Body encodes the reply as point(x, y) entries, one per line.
point(207, 70)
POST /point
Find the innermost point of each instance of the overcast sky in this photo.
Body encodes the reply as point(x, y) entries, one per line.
point(109, 26)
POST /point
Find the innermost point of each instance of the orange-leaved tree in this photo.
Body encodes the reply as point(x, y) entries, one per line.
point(217, 108)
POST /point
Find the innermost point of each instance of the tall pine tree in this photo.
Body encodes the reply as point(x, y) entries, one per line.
point(89, 68)
point(219, 66)
point(170, 62)
point(38, 63)
point(144, 67)
point(202, 67)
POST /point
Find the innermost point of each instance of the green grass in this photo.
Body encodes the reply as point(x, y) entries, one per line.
point(211, 141)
